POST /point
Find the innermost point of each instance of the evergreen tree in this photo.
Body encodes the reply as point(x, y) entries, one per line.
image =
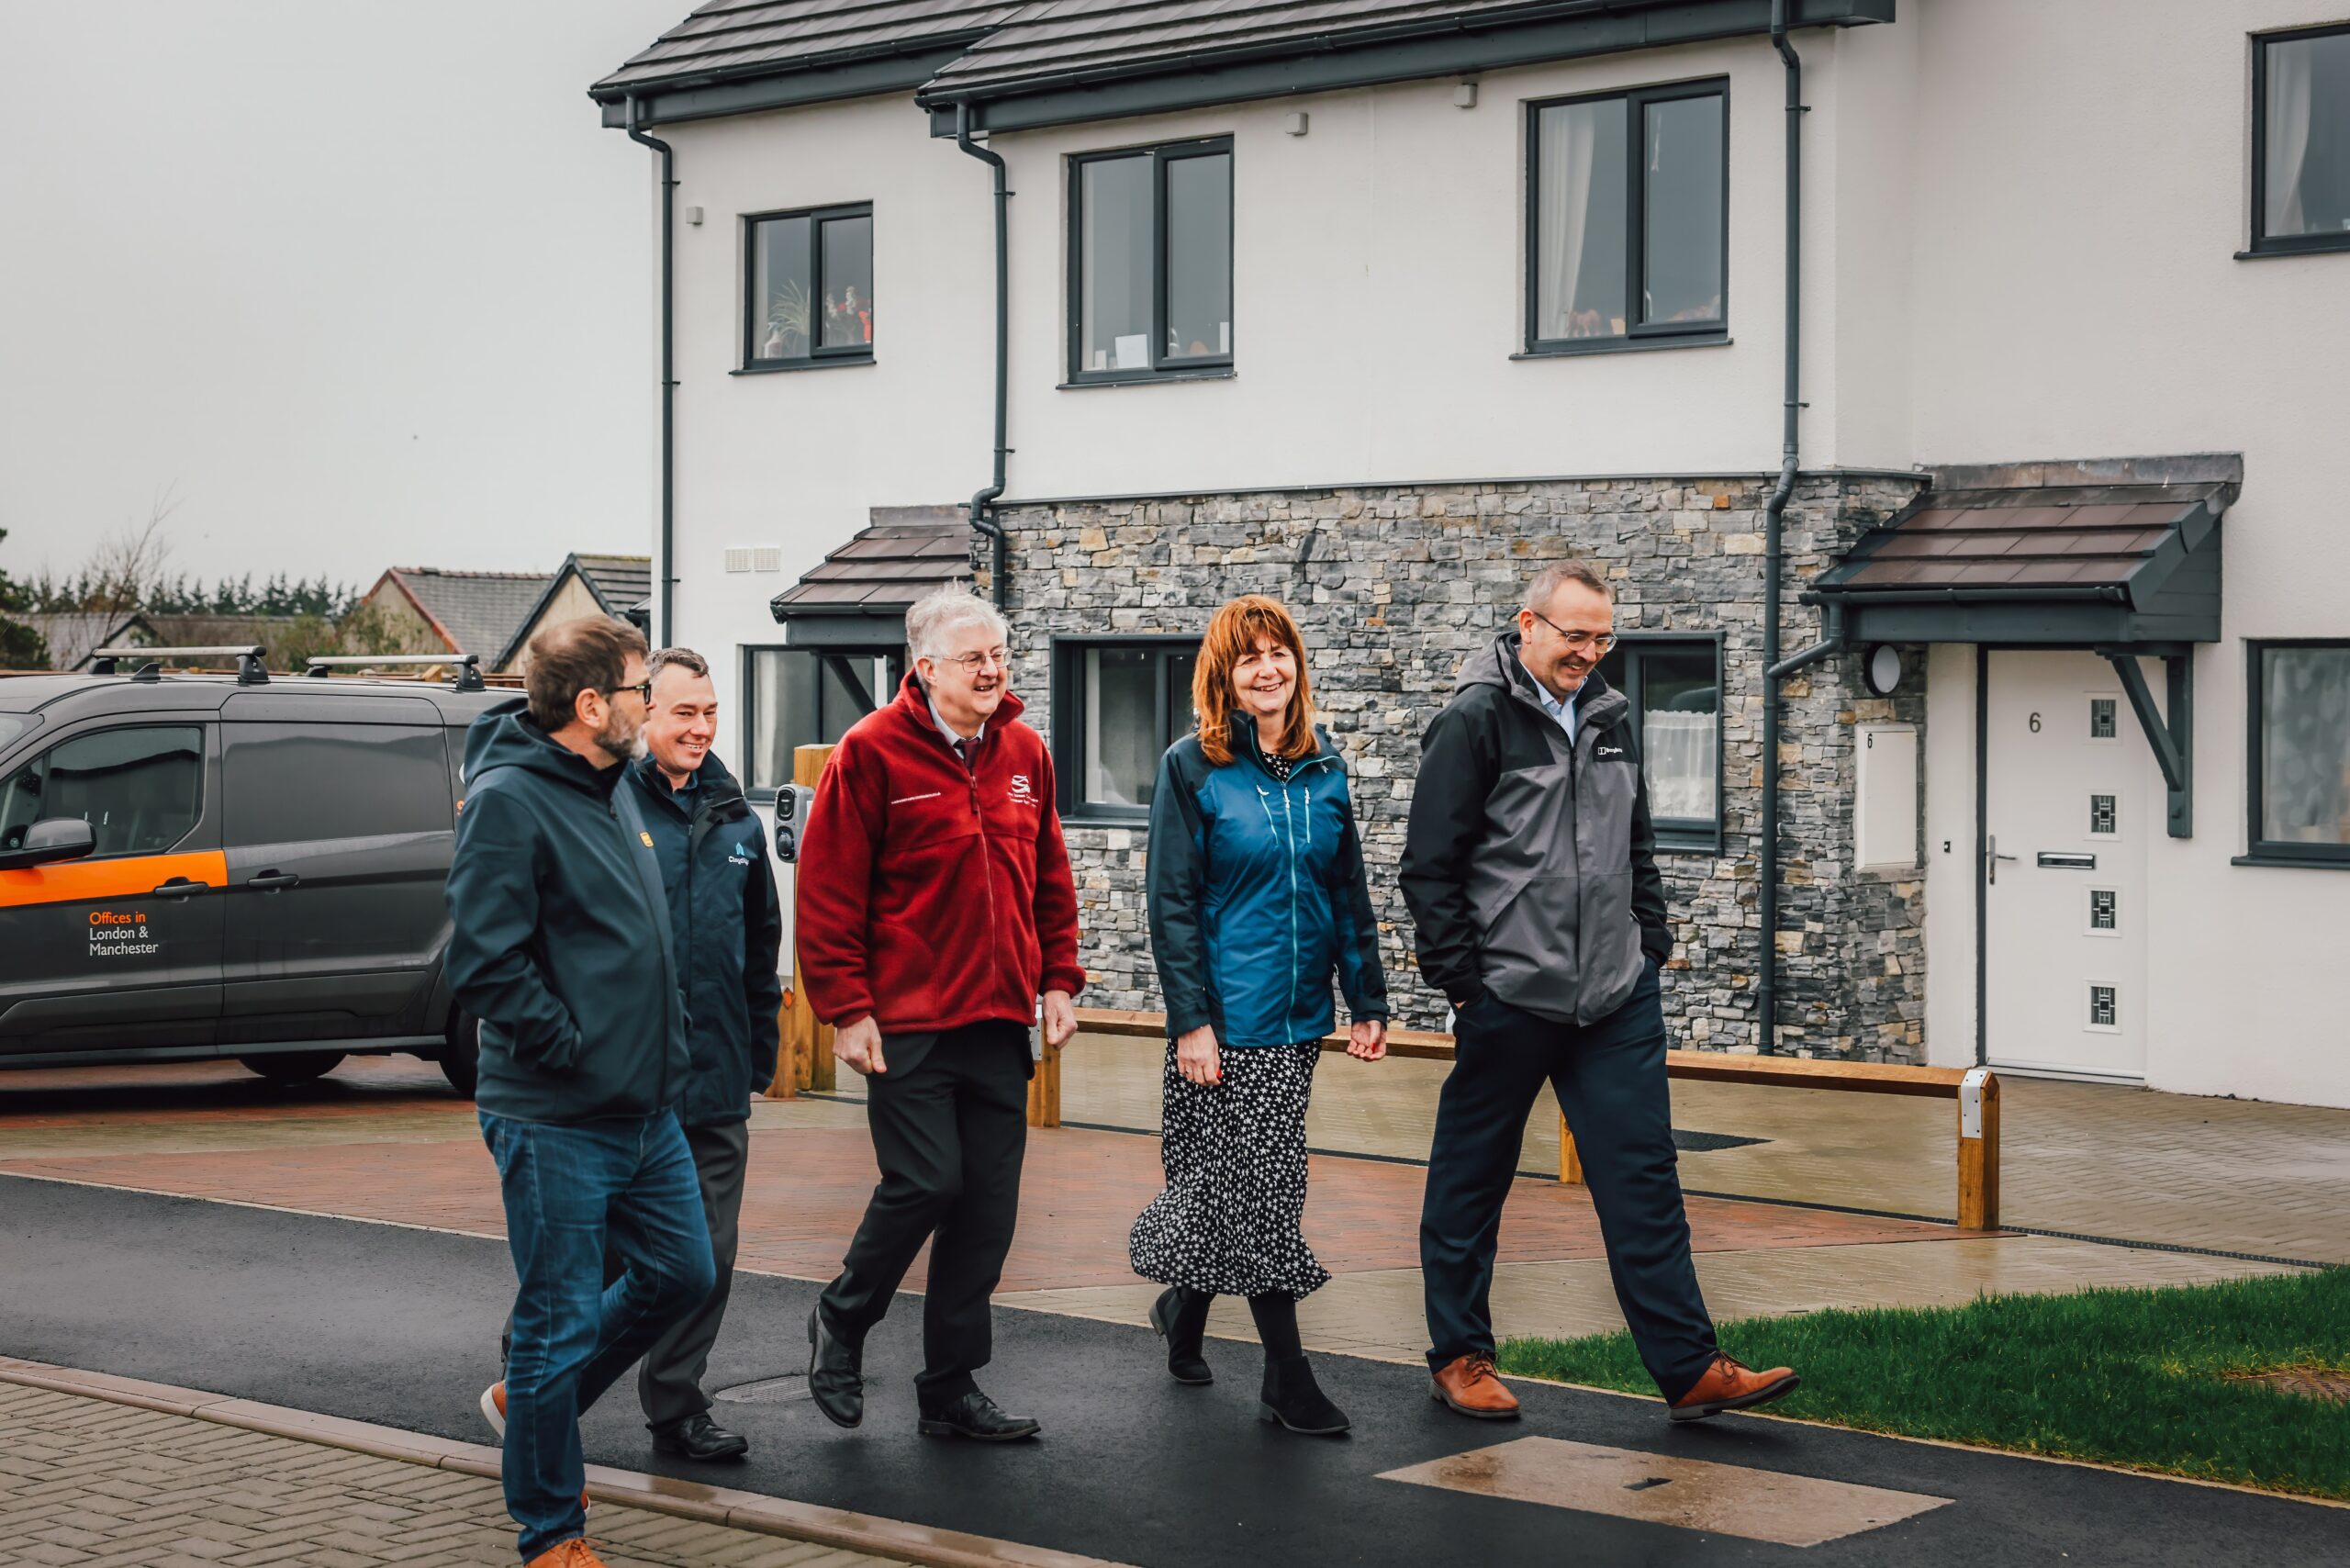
point(21, 647)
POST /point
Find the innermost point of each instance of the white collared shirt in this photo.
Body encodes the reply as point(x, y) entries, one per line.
point(1563, 713)
point(954, 741)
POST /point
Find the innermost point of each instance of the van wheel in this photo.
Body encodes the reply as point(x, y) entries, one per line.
point(294, 1067)
point(460, 1058)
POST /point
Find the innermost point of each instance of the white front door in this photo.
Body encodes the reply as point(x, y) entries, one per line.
point(2071, 793)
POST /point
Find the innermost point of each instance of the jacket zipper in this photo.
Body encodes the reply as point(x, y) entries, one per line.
point(628, 852)
point(1290, 845)
point(987, 865)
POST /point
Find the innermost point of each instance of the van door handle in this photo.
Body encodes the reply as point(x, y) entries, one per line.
point(180, 887)
point(271, 882)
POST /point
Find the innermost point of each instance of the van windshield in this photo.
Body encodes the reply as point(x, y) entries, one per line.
point(11, 726)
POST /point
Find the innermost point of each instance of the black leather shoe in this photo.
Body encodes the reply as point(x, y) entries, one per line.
point(698, 1437)
point(1292, 1397)
point(835, 1373)
point(975, 1417)
point(1180, 1315)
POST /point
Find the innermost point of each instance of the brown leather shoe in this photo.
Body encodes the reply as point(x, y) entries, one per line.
point(572, 1553)
point(1728, 1385)
point(1467, 1384)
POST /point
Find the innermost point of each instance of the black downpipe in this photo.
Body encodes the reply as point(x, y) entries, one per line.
point(667, 626)
point(982, 503)
point(1774, 512)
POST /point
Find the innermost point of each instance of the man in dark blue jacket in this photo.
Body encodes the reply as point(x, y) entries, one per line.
point(728, 926)
point(561, 947)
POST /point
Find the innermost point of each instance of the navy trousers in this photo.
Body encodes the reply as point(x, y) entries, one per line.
point(1611, 1084)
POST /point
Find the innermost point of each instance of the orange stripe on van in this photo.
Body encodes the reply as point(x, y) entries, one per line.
point(77, 881)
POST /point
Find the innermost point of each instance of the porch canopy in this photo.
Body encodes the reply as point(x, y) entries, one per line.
point(2119, 557)
point(857, 596)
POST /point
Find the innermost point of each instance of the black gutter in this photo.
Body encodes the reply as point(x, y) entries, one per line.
point(1861, 598)
point(999, 579)
point(1834, 642)
point(1774, 512)
point(665, 565)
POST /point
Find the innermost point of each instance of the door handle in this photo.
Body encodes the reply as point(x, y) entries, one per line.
point(179, 887)
point(271, 882)
point(1992, 858)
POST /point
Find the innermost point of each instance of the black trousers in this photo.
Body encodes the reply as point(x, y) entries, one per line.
point(668, 1383)
point(950, 1126)
point(1611, 1079)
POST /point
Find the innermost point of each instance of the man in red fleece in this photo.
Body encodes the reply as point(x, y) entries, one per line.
point(935, 906)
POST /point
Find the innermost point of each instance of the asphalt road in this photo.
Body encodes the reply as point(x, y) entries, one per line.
point(399, 1326)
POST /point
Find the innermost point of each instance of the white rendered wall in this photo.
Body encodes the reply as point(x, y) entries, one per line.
point(2083, 185)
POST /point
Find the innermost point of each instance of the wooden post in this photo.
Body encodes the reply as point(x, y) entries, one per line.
point(806, 1058)
point(1570, 1162)
point(1045, 1091)
point(1978, 1151)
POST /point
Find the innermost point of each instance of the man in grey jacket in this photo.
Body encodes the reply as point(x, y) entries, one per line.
point(1530, 871)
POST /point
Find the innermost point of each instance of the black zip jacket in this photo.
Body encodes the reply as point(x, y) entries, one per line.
point(727, 923)
point(560, 943)
point(1530, 863)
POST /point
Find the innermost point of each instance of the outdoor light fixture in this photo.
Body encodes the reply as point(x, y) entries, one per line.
point(1881, 667)
point(693, 216)
point(1464, 95)
point(1294, 124)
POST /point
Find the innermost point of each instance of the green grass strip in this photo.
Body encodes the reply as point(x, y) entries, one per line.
point(2128, 1377)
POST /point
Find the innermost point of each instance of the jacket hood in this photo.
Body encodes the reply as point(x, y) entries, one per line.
point(1598, 704)
point(914, 703)
point(505, 736)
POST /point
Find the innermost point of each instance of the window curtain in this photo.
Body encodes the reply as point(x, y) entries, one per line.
point(1679, 763)
point(2287, 135)
point(1564, 203)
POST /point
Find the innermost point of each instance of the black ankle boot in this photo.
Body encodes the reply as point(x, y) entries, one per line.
point(1180, 1315)
point(1297, 1402)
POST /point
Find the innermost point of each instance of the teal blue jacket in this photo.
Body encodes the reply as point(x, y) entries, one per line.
point(1259, 896)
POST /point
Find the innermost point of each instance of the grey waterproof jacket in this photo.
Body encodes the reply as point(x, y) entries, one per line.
point(1530, 864)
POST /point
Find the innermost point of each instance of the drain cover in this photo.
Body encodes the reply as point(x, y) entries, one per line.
point(767, 1391)
point(1697, 1143)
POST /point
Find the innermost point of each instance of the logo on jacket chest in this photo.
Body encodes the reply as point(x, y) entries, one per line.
point(1604, 750)
point(1022, 793)
point(741, 856)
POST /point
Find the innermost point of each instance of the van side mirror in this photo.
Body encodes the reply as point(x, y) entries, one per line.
point(792, 802)
point(47, 842)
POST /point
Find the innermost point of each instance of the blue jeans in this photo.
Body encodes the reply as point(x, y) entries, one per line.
point(567, 1189)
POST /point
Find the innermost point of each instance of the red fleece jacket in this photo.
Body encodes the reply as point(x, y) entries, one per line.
point(929, 897)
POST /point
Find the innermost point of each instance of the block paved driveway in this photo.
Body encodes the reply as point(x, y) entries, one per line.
point(398, 1326)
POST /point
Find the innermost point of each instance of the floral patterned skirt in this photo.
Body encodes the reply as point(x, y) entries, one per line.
point(1234, 1156)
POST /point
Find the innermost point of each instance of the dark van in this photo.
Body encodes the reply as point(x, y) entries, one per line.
point(196, 866)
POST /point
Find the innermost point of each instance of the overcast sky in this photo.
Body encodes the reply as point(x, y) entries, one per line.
point(360, 283)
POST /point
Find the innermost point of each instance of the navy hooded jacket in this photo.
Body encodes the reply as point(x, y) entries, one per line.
point(727, 923)
point(1258, 895)
point(560, 933)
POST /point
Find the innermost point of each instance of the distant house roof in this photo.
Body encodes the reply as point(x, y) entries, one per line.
point(618, 584)
point(861, 590)
point(1072, 60)
point(473, 613)
point(73, 635)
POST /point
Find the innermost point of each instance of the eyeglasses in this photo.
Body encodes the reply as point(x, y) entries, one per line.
point(1597, 642)
point(644, 689)
point(974, 663)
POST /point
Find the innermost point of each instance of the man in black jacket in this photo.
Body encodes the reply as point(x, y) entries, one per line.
point(728, 925)
point(561, 947)
point(1531, 872)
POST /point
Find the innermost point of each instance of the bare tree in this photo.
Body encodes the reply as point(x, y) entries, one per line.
point(130, 566)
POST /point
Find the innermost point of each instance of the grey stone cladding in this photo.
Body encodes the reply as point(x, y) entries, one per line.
point(1394, 586)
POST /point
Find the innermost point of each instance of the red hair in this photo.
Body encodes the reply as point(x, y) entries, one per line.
point(1232, 635)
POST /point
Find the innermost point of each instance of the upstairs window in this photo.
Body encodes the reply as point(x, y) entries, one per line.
point(1628, 219)
point(2301, 159)
point(808, 295)
point(1150, 261)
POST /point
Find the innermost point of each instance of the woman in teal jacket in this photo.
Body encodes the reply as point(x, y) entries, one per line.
point(1258, 898)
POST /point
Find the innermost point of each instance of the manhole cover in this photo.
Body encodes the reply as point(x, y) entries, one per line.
point(1699, 1143)
point(767, 1391)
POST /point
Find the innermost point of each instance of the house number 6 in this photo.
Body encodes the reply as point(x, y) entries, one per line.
point(2035, 723)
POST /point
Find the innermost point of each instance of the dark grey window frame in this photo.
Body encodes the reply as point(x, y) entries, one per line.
point(748, 755)
point(1069, 719)
point(1190, 366)
point(2264, 245)
point(2276, 852)
point(1679, 835)
point(818, 356)
point(1678, 334)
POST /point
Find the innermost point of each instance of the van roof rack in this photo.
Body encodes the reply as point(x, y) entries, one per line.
point(251, 671)
point(468, 679)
